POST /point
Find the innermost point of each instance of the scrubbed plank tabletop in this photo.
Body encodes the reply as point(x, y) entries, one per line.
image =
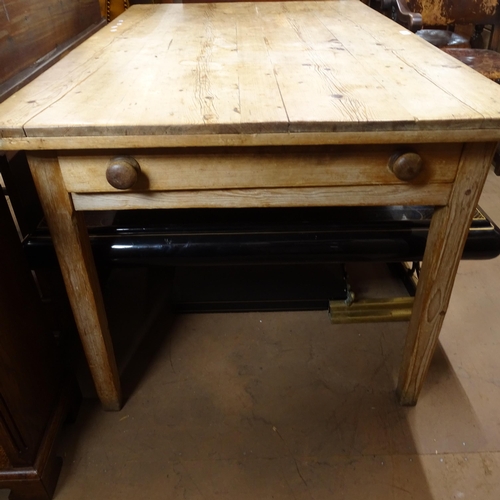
point(234, 69)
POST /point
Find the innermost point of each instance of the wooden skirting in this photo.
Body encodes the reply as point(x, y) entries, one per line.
point(40, 479)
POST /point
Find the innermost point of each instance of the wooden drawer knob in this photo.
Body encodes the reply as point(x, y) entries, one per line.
point(122, 172)
point(406, 166)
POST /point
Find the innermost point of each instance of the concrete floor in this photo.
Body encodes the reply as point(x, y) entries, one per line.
point(287, 406)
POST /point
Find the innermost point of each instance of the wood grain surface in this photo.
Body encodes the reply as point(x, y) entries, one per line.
point(431, 194)
point(447, 234)
point(268, 167)
point(70, 238)
point(252, 68)
point(230, 140)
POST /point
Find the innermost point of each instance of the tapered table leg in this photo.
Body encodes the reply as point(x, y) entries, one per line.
point(72, 246)
point(448, 232)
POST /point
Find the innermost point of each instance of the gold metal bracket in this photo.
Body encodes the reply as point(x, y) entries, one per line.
point(370, 310)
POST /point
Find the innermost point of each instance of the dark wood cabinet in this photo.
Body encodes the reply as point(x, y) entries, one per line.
point(36, 395)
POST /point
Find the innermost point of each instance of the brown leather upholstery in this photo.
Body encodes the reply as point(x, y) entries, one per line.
point(486, 62)
point(449, 12)
point(443, 38)
point(427, 15)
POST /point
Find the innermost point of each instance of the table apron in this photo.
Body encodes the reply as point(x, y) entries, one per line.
point(431, 194)
point(253, 167)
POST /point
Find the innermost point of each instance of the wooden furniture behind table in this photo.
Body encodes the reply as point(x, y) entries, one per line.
point(33, 35)
point(35, 394)
point(256, 105)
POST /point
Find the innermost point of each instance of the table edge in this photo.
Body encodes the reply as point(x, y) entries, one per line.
point(276, 139)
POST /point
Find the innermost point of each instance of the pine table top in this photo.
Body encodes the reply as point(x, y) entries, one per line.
point(245, 73)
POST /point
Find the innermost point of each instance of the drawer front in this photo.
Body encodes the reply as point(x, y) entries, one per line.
point(260, 167)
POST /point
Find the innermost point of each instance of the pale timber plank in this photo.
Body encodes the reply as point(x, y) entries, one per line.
point(175, 84)
point(320, 81)
point(156, 86)
point(219, 168)
point(403, 80)
point(257, 78)
point(252, 68)
point(72, 245)
point(448, 231)
point(230, 140)
point(400, 61)
point(433, 194)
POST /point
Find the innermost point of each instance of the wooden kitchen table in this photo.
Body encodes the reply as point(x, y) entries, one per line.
point(256, 105)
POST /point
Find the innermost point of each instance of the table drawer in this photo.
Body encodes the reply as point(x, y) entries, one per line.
point(259, 167)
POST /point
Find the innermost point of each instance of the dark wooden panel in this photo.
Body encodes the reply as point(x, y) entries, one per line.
point(35, 394)
point(22, 192)
point(30, 30)
point(30, 373)
point(4, 460)
point(33, 34)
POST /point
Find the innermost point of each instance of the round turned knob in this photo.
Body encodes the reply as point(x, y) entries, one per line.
point(122, 172)
point(406, 166)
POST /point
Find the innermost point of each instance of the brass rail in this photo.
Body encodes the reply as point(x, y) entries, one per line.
point(371, 310)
